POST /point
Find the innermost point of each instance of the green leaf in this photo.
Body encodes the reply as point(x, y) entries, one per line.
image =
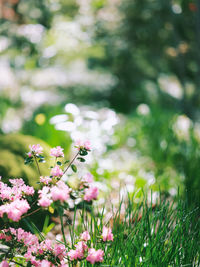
point(74, 168)
point(67, 161)
point(41, 160)
point(81, 159)
point(49, 228)
point(83, 152)
point(40, 157)
point(33, 228)
point(28, 160)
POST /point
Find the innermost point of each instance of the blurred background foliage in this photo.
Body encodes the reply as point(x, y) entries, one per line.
point(124, 74)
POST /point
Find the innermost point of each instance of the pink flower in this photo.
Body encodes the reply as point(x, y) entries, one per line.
point(44, 197)
point(5, 191)
point(59, 251)
point(83, 145)
point(56, 172)
point(95, 255)
point(107, 234)
point(28, 190)
point(26, 237)
point(81, 247)
point(88, 178)
point(17, 190)
point(45, 263)
point(15, 209)
point(45, 180)
point(87, 145)
point(85, 236)
point(34, 261)
point(91, 193)
point(78, 143)
point(17, 182)
point(46, 245)
point(29, 154)
point(4, 264)
point(37, 149)
point(57, 152)
point(63, 264)
point(60, 191)
point(44, 202)
point(73, 254)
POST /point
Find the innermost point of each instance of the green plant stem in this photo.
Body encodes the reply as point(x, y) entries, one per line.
point(30, 213)
point(71, 162)
point(62, 228)
point(37, 164)
point(17, 263)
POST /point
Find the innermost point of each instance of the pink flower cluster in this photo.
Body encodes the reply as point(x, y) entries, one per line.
point(85, 236)
point(83, 145)
point(14, 203)
point(15, 209)
point(79, 252)
point(91, 255)
point(90, 192)
point(56, 172)
point(57, 152)
point(95, 255)
point(47, 195)
point(38, 253)
point(17, 191)
point(43, 253)
point(4, 264)
point(36, 149)
point(45, 180)
point(107, 234)
point(88, 178)
point(47, 250)
point(82, 251)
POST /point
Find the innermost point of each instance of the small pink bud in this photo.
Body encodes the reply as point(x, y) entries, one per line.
point(57, 152)
point(91, 193)
point(85, 236)
point(107, 234)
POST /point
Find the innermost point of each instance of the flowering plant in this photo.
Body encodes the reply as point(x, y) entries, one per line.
point(17, 200)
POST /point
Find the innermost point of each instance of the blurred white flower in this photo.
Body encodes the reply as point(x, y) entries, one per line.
point(182, 126)
point(143, 109)
point(171, 86)
point(33, 32)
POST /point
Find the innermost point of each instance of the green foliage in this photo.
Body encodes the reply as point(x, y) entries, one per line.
point(74, 168)
point(172, 153)
point(40, 127)
point(150, 38)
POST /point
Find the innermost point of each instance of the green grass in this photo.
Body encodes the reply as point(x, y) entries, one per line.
point(164, 234)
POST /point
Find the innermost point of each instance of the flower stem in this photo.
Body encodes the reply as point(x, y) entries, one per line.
point(37, 164)
point(28, 214)
point(71, 162)
point(17, 263)
point(62, 228)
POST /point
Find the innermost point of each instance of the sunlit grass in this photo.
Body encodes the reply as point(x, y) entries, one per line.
point(162, 234)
